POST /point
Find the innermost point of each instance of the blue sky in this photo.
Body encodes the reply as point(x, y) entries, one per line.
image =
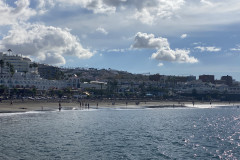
point(171, 37)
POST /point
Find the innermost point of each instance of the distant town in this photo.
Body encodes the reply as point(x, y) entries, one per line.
point(21, 78)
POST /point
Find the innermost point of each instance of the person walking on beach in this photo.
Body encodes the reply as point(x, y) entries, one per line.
point(88, 105)
point(80, 104)
point(59, 106)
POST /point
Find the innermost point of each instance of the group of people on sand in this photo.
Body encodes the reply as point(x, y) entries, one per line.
point(82, 105)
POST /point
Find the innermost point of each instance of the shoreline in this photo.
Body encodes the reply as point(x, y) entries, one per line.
point(28, 105)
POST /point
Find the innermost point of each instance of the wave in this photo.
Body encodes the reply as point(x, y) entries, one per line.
point(19, 113)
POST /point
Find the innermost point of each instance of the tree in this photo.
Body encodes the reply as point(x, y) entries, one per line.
point(51, 92)
point(35, 65)
point(25, 72)
point(67, 92)
point(8, 65)
point(34, 91)
point(194, 92)
point(2, 66)
point(3, 89)
point(12, 70)
point(112, 86)
point(59, 93)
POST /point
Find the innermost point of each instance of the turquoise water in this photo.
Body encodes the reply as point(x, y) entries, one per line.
point(185, 133)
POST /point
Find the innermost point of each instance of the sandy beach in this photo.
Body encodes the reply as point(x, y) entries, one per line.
point(24, 106)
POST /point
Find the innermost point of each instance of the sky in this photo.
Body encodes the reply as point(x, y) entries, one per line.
point(168, 37)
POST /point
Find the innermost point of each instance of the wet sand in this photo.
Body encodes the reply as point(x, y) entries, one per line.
point(43, 105)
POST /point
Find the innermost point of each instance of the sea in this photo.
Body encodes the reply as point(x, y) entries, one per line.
point(128, 134)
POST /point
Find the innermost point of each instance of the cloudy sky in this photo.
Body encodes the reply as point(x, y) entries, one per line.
point(171, 37)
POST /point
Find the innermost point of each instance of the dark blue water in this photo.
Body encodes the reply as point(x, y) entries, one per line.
point(122, 134)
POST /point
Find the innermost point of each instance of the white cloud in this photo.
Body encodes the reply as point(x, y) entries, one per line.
point(144, 16)
point(116, 50)
point(178, 55)
point(205, 2)
point(11, 15)
point(183, 36)
point(97, 6)
point(101, 30)
point(144, 40)
point(164, 52)
point(47, 43)
point(160, 64)
point(144, 11)
point(149, 11)
point(197, 43)
point(157, 7)
point(166, 17)
point(184, 14)
point(208, 49)
point(44, 5)
point(53, 59)
point(210, 12)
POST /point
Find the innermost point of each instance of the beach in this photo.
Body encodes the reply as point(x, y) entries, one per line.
point(43, 105)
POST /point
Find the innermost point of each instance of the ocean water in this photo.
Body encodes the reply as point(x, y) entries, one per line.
point(179, 133)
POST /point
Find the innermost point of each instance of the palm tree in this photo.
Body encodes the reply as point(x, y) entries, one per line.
point(9, 50)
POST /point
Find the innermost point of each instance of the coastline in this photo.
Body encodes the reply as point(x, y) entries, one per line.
point(28, 105)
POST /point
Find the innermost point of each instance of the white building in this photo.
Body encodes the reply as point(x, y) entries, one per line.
point(201, 87)
point(25, 74)
point(30, 80)
point(19, 63)
point(74, 82)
